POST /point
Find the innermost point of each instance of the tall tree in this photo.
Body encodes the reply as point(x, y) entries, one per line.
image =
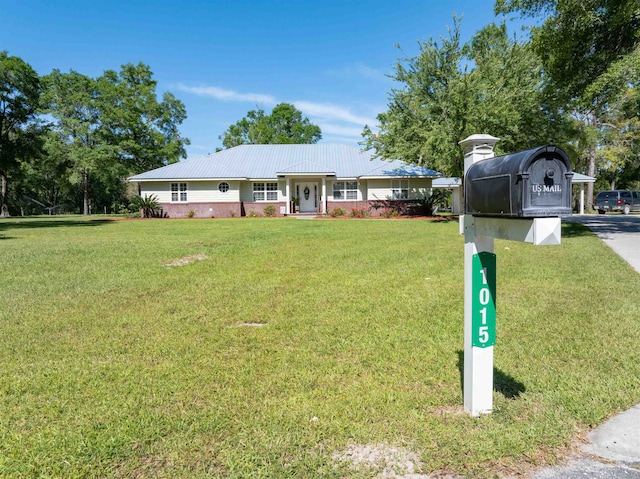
point(590, 50)
point(143, 129)
point(285, 125)
point(442, 100)
point(19, 97)
point(73, 101)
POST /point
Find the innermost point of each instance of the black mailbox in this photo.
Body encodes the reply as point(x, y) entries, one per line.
point(528, 184)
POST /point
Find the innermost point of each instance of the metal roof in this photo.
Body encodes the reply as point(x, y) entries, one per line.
point(269, 161)
point(447, 183)
point(580, 178)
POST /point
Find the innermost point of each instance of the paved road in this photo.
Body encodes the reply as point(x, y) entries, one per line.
point(614, 447)
point(620, 232)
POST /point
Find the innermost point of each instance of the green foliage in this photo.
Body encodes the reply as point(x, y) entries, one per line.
point(591, 51)
point(253, 214)
point(148, 205)
point(335, 212)
point(442, 101)
point(269, 210)
point(143, 130)
point(581, 42)
point(19, 100)
point(285, 125)
point(109, 128)
point(415, 207)
point(360, 212)
point(191, 214)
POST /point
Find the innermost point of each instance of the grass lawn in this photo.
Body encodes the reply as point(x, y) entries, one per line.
point(285, 342)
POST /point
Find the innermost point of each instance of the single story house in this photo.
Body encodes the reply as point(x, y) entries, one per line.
point(293, 178)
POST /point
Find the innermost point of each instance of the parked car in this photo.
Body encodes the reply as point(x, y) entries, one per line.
point(617, 200)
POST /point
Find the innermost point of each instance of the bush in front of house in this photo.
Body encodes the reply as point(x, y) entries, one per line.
point(335, 212)
point(269, 211)
point(359, 213)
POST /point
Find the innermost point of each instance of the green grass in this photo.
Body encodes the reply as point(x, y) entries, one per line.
point(115, 365)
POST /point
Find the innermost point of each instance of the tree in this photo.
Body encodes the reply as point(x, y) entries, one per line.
point(442, 100)
point(285, 125)
point(72, 100)
point(143, 130)
point(590, 50)
point(19, 97)
point(112, 127)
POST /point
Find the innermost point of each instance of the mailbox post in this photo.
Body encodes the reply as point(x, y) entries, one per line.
point(478, 344)
point(518, 197)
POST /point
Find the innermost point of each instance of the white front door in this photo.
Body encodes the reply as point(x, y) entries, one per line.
point(308, 201)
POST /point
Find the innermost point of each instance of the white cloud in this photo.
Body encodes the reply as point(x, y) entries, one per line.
point(328, 111)
point(360, 70)
point(227, 95)
point(338, 130)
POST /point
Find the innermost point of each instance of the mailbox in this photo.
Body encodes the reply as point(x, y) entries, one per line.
point(528, 184)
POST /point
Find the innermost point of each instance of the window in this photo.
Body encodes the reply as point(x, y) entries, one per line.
point(265, 191)
point(178, 192)
point(345, 190)
point(223, 187)
point(400, 189)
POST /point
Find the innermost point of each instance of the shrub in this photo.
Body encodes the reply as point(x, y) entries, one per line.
point(232, 213)
point(415, 207)
point(335, 212)
point(389, 213)
point(269, 210)
point(191, 214)
point(359, 213)
point(148, 205)
point(252, 214)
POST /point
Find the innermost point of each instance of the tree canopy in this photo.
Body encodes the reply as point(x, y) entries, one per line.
point(450, 91)
point(108, 128)
point(19, 99)
point(285, 125)
point(591, 51)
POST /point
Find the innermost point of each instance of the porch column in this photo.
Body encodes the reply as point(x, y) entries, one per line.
point(323, 207)
point(288, 196)
point(456, 203)
point(581, 198)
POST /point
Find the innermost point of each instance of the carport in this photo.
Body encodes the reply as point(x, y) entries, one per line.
point(582, 180)
point(453, 184)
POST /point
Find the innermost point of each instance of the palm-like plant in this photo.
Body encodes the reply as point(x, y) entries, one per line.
point(147, 205)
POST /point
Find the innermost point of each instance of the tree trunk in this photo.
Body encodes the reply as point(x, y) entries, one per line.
point(4, 209)
point(591, 172)
point(85, 188)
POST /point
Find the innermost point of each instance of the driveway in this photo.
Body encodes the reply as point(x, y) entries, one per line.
point(620, 232)
point(618, 440)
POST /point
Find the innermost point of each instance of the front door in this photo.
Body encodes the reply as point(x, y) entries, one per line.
point(308, 197)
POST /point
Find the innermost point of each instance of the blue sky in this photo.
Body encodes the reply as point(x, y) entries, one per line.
point(224, 58)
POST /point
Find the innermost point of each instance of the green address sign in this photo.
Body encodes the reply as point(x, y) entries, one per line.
point(483, 319)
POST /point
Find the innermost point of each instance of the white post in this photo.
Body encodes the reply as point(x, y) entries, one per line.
point(478, 361)
point(323, 203)
point(581, 198)
point(456, 203)
point(288, 198)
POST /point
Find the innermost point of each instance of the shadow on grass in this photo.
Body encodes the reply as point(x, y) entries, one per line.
point(25, 223)
point(503, 383)
point(573, 230)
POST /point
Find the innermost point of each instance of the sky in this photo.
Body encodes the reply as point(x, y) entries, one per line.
point(331, 59)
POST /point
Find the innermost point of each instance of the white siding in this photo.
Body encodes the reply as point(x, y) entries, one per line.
point(159, 188)
point(381, 189)
point(197, 191)
point(208, 192)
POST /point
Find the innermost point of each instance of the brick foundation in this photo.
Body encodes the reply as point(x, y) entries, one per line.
point(217, 210)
